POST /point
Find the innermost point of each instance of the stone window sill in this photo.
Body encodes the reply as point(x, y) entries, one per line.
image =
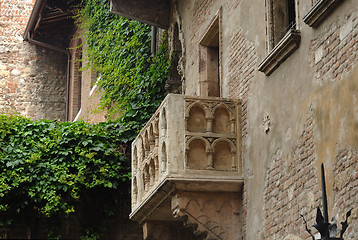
point(319, 11)
point(288, 44)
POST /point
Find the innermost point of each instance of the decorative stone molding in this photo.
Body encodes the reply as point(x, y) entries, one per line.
point(320, 10)
point(186, 134)
point(288, 44)
point(210, 216)
point(191, 145)
point(266, 123)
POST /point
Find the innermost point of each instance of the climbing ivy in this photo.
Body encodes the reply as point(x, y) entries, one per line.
point(48, 168)
point(132, 79)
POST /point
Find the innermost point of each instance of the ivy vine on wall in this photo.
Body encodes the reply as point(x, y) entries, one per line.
point(132, 78)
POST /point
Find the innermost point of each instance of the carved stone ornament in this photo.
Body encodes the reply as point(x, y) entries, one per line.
point(191, 145)
point(210, 216)
point(266, 123)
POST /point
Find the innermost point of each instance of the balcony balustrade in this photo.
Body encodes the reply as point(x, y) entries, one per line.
point(190, 143)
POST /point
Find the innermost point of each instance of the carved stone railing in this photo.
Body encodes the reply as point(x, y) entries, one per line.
point(190, 143)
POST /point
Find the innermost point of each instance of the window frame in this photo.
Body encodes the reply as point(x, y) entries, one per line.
point(207, 48)
point(279, 52)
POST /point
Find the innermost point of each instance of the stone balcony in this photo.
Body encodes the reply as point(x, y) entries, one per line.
point(190, 144)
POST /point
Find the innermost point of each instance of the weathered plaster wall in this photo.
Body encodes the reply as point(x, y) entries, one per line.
point(32, 79)
point(303, 114)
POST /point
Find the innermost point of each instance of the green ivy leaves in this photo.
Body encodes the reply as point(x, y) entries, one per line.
point(46, 167)
point(132, 79)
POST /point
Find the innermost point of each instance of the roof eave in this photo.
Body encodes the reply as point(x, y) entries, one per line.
point(33, 18)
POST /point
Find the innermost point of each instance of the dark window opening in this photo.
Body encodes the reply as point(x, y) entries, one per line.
point(291, 14)
point(283, 17)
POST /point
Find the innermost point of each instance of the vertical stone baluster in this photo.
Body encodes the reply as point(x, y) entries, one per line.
point(209, 123)
point(232, 125)
point(210, 153)
point(233, 160)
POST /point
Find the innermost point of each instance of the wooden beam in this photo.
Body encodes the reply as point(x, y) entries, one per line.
point(154, 12)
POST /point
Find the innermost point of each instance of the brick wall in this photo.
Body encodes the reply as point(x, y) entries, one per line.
point(292, 188)
point(333, 52)
point(32, 79)
point(280, 166)
point(345, 187)
point(76, 78)
point(242, 64)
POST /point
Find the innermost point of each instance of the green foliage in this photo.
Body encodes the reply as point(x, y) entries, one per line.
point(47, 167)
point(132, 79)
point(50, 169)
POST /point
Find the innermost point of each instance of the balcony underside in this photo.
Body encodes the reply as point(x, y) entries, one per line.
point(156, 206)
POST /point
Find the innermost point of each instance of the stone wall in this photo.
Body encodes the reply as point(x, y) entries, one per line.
point(334, 50)
point(345, 187)
point(32, 78)
point(300, 116)
point(292, 187)
point(292, 184)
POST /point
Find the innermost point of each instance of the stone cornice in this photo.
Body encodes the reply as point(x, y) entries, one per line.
point(288, 44)
point(319, 11)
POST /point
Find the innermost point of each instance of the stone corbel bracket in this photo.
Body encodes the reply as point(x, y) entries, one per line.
point(208, 215)
point(288, 44)
point(319, 11)
point(170, 186)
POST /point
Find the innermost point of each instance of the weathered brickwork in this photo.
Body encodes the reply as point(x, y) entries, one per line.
point(32, 79)
point(292, 188)
point(345, 186)
point(14, 16)
point(242, 64)
point(201, 11)
point(334, 51)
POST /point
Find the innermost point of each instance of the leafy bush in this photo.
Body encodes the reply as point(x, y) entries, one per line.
point(47, 167)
